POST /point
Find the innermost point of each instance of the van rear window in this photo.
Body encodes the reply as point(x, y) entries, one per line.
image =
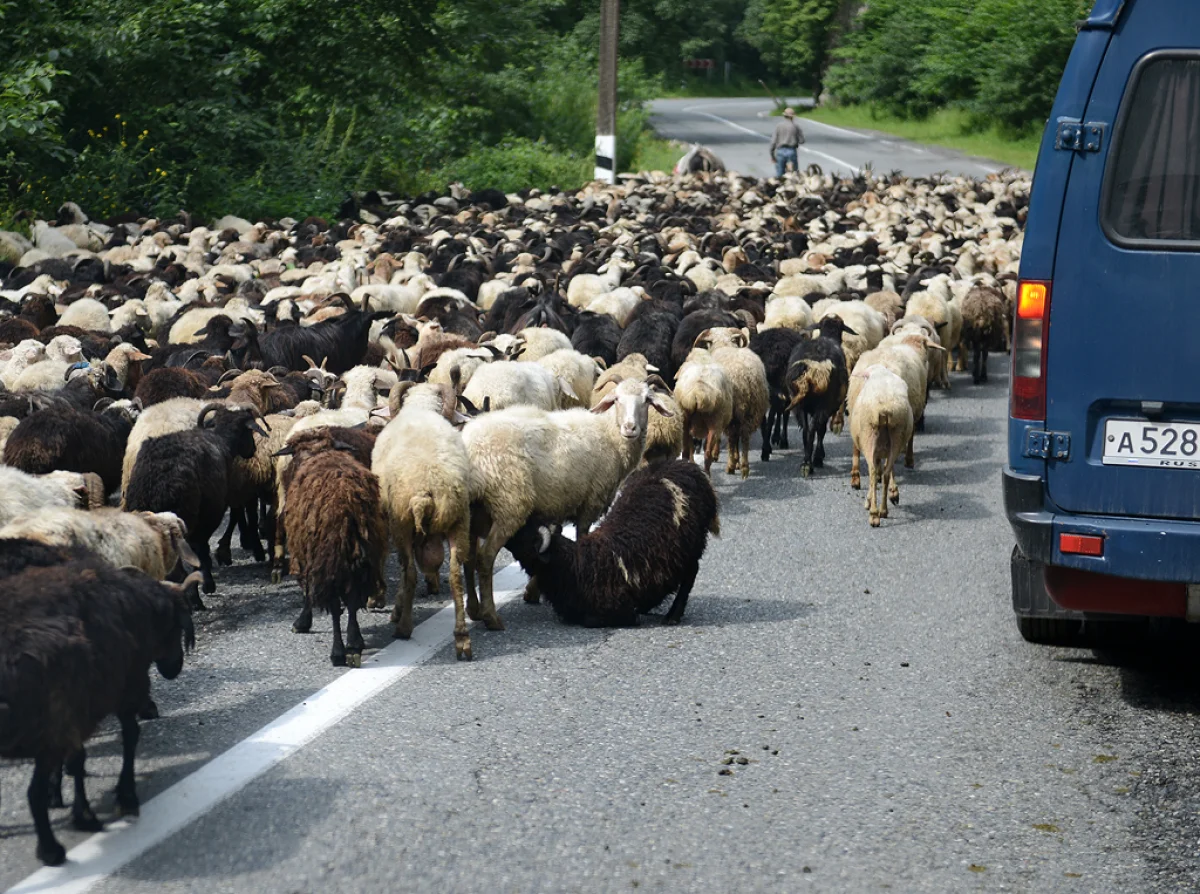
point(1153, 189)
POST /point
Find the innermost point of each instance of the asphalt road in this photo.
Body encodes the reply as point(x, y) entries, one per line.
point(844, 709)
point(739, 131)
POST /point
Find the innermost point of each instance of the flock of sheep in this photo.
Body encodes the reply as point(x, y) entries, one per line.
point(447, 374)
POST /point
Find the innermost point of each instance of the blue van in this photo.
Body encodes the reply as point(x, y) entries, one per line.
point(1102, 486)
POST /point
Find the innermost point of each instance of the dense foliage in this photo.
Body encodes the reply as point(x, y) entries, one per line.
point(271, 107)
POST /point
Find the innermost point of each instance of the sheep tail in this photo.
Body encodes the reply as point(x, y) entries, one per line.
point(5, 734)
point(885, 432)
point(714, 526)
point(422, 507)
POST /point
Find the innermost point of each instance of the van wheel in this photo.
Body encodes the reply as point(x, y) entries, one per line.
point(1051, 631)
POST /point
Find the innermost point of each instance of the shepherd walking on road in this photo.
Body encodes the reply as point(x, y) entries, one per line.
point(784, 142)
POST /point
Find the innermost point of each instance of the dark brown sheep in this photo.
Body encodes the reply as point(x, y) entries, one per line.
point(336, 534)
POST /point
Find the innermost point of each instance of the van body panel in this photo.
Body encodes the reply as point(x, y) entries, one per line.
point(1123, 322)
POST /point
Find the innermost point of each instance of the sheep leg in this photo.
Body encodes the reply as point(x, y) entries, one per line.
point(818, 458)
point(745, 454)
point(782, 421)
point(337, 655)
point(734, 461)
point(712, 451)
point(689, 446)
point(533, 593)
point(49, 851)
point(279, 544)
point(127, 799)
point(838, 422)
point(402, 619)
point(480, 524)
point(54, 788)
point(910, 461)
point(462, 639)
point(83, 817)
point(855, 468)
point(487, 567)
point(210, 586)
point(355, 644)
point(303, 622)
point(224, 545)
point(249, 537)
point(893, 487)
point(675, 615)
point(804, 421)
point(983, 364)
point(873, 470)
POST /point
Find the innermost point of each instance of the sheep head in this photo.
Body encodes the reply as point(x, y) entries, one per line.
point(632, 399)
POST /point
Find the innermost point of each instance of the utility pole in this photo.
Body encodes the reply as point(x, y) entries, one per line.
point(606, 108)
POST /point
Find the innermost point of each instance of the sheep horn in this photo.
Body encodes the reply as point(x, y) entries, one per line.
point(308, 360)
point(225, 376)
point(208, 408)
point(657, 382)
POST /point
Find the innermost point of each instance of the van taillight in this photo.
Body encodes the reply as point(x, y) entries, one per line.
point(1029, 350)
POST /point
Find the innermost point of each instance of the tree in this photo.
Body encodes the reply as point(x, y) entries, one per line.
point(794, 36)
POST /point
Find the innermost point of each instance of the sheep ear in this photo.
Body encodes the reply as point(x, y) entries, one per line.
point(186, 554)
point(608, 400)
point(658, 405)
point(287, 450)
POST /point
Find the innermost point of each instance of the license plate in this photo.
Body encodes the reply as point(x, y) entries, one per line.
point(1160, 445)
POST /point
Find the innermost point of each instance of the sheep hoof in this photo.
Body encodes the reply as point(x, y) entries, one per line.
point(874, 521)
point(56, 799)
point(52, 854)
point(474, 612)
point(402, 631)
point(354, 659)
point(806, 471)
point(433, 585)
point(745, 473)
point(376, 603)
point(148, 711)
point(836, 428)
point(493, 623)
point(337, 660)
point(856, 482)
point(132, 809)
point(276, 575)
point(670, 621)
point(198, 603)
point(86, 821)
point(223, 556)
point(462, 648)
point(895, 498)
point(910, 464)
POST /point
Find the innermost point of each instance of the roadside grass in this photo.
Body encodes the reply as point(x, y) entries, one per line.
point(656, 154)
point(948, 127)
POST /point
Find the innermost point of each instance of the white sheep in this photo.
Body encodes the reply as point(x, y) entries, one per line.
point(946, 320)
point(619, 304)
point(579, 370)
point(497, 386)
point(86, 313)
point(584, 288)
point(705, 395)
point(565, 465)
point(20, 358)
point(881, 423)
point(62, 352)
point(787, 312)
point(751, 394)
point(425, 478)
point(22, 493)
point(150, 541)
point(539, 341)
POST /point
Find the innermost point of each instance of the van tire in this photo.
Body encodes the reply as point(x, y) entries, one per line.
point(1064, 632)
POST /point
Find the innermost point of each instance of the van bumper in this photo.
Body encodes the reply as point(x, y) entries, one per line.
point(1140, 548)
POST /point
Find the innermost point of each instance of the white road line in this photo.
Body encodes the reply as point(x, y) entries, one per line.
point(836, 161)
point(187, 800)
point(697, 110)
point(849, 133)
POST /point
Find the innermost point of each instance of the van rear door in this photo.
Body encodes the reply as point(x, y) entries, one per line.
point(1123, 345)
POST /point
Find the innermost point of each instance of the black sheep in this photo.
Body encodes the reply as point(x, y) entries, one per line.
point(187, 473)
point(650, 335)
point(648, 547)
point(77, 638)
point(596, 335)
point(774, 348)
point(817, 382)
point(338, 343)
point(70, 440)
point(692, 325)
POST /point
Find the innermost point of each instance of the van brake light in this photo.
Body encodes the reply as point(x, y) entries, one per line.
point(1030, 333)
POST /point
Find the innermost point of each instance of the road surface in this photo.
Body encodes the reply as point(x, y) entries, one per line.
point(739, 131)
point(844, 709)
